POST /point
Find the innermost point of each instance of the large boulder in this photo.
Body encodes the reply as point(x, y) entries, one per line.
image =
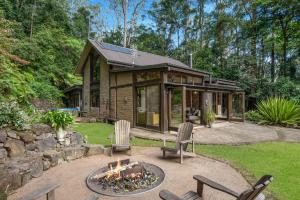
point(93, 149)
point(3, 155)
point(31, 147)
point(72, 153)
point(12, 134)
point(26, 136)
point(39, 129)
point(15, 148)
point(76, 139)
point(3, 135)
point(46, 144)
point(54, 157)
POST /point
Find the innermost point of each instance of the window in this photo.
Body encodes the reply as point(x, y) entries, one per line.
point(95, 98)
point(174, 78)
point(197, 81)
point(147, 76)
point(95, 68)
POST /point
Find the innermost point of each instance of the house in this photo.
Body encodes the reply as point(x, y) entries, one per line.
point(151, 91)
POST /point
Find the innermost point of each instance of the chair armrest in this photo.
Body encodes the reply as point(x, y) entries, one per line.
point(166, 195)
point(215, 185)
point(185, 141)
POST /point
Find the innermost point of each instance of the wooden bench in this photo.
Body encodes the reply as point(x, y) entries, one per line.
point(48, 190)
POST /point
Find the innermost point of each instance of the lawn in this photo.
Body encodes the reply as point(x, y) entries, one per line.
point(279, 159)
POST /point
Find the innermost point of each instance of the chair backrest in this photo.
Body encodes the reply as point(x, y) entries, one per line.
point(122, 132)
point(184, 133)
point(252, 193)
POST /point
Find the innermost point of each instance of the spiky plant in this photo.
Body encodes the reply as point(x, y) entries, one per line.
point(279, 111)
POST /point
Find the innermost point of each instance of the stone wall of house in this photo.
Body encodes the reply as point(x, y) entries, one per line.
point(86, 86)
point(125, 104)
point(112, 108)
point(27, 153)
point(104, 88)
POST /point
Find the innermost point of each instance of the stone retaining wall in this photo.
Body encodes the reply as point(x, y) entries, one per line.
point(26, 154)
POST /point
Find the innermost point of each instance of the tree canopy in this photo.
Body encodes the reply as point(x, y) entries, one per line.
point(255, 43)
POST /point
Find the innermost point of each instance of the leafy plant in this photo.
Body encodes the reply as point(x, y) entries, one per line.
point(209, 116)
point(253, 116)
point(58, 119)
point(279, 111)
point(11, 115)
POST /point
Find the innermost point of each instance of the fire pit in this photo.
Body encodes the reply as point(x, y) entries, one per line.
point(124, 178)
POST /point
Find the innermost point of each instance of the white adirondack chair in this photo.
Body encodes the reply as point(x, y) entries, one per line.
point(122, 137)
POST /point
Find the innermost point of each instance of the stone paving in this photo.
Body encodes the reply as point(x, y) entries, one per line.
point(233, 133)
point(178, 179)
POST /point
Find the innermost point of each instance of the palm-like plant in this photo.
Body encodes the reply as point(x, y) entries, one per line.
point(58, 119)
point(279, 111)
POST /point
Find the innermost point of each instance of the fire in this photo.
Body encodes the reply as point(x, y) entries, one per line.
point(116, 172)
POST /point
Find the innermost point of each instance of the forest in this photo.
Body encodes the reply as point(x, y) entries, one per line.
point(255, 43)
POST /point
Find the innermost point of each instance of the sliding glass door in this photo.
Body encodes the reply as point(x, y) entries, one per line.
point(148, 106)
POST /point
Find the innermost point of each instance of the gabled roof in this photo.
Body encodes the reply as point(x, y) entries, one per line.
point(128, 57)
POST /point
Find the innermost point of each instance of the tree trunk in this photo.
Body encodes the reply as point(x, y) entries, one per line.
point(273, 59)
point(125, 8)
point(253, 41)
point(201, 19)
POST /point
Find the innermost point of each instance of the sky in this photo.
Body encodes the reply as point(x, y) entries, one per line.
point(109, 15)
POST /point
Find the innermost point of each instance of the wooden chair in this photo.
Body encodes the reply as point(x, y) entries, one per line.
point(122, 137)
point(184, 137)
point(253, 193)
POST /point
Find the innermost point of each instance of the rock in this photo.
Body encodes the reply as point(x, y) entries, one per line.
point(46, 164)
point(46, 144)
point(12, 134)
point(76, 138)
point(54, 157)
point(31, 147)
point(72, 153)
point(36, 166)
point(93, 149)
point(3, 155)
point(26, 136)
point(14, 147)
point(3, 135)
point(39, 129)
point(43, 136)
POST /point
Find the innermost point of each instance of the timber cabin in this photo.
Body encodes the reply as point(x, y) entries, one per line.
point(151, 91)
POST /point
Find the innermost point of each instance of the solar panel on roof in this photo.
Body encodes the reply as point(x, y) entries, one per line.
point(115, 48)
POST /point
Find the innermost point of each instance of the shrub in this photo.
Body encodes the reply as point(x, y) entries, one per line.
point(11, 115)
point(58, 119)
point(253, 116)
point(209, 116)
point(279, 111)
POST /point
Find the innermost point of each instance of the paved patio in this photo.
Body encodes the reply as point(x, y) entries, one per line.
point(229, 133)
point(72, 176)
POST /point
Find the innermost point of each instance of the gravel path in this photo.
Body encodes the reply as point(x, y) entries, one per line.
point(179, 179)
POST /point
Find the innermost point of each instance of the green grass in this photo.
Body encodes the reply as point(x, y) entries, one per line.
point(96, 133)
point(279, 159)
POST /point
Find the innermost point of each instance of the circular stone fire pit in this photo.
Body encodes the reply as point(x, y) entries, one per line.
point(135, 178)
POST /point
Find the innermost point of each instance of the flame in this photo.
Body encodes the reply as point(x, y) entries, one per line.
point(116, 172)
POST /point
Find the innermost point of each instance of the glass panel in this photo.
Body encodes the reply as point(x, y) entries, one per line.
point(190, 80)
point(197, 81)
point(146, 76)
point(220, 103)
point(237, 105)
point(141, 106)
point(95, 98)
point(95, 69)
point(174, 78)
point(176, 107)
point(153, 105)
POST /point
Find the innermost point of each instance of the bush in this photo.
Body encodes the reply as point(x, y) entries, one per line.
point(58, 119)
point(279, 111)
point(253, 116)
point(11, 115)
point(209, 116)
